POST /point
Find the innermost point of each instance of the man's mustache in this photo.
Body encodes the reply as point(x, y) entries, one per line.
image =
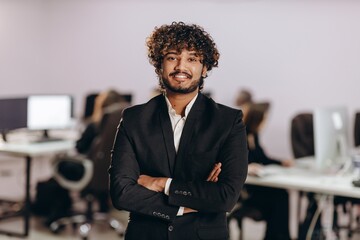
point(177, 72)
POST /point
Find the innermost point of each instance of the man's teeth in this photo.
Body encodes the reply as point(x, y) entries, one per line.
point(180, 76)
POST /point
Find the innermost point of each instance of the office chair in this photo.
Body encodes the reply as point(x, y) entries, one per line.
point(96, 187)
point(302, 135)
point(74, 173)
point(240, 212)
point(302, 141)
point(89, 105)
point(100, 151)
point(357, 130)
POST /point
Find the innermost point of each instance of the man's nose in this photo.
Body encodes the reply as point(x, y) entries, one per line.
point(181, 64)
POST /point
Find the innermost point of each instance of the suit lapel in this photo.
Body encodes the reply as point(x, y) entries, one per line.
point(168, 135)
point(188, 131)
point(190, 126)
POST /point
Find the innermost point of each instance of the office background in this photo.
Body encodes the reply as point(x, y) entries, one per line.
point(297, 54)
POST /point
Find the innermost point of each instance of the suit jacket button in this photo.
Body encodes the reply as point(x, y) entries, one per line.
point(167, 217)
point(184, 193)
point(154, 213)
point(189, 193)
point(176, 192)
point(170, 228)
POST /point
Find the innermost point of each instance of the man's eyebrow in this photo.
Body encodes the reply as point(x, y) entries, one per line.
point(171, 52)
point(195, 54)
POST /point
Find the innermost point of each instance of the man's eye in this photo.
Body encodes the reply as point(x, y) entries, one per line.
point(192, 59)
point(171, 58)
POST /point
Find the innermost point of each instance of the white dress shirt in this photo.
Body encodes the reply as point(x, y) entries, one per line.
point(177, 123)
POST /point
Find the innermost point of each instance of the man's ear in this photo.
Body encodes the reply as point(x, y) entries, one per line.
point(204, 72)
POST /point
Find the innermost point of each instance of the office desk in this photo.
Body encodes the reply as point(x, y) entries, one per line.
point(307, 180)
point(300, 178)
point(28, 151)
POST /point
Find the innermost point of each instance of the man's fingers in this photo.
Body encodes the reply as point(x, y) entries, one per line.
point(215, 172)
point(214, 178)
point(212, 172)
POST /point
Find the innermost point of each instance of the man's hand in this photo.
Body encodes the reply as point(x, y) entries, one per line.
point(214, 174)
point(213, 177)
point(189, 210)
point(288, 163)
point(156, 184)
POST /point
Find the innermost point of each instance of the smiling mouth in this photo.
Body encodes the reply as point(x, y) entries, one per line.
point(180, 76)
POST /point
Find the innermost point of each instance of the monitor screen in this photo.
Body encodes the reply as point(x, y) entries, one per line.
point(331, 137)
point(13, 113)
point(49, 112)
point(90, 102)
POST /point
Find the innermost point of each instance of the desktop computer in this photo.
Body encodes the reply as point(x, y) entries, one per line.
point(331, 138)
point(36, 112)
point(48, 112)
point(13, 114)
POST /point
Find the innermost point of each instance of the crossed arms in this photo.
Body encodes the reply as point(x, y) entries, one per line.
point(158, 184)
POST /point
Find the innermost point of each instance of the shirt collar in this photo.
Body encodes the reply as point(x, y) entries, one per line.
point(172, 111)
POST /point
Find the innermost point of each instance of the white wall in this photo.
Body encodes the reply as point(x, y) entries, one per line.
point(297, 54)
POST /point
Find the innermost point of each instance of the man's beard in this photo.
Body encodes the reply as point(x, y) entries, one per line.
point(179, 89)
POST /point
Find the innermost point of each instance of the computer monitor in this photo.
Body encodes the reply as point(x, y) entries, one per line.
point(90, 102)
point(331, 138)
point(46, 112)
point(13, 114)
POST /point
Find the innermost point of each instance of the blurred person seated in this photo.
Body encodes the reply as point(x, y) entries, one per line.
point(271, 203)
point(243, 100)
point(52, 200)
point(87, 145)
point(102, 101)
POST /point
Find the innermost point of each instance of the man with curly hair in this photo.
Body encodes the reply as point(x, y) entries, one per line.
point(179, 161)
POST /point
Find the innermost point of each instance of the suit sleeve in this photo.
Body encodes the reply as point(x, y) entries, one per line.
point(126, 193)
point(220, 196)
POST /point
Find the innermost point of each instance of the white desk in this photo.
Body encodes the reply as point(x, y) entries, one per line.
point(29, 151)
point(36, 149)
point(308, 180)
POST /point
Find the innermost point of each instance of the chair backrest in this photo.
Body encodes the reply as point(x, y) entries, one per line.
point(302, 135)
point(89, 104)
point(72, 172)
point(100, 150)
point(357, 130)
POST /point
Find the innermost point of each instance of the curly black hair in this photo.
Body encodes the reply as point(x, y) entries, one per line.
point(178, 36)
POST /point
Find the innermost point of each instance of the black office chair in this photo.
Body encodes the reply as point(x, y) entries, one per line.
point(100, 153)
point(357, 130)
point(74, 174)
point(302, 135)
point(242, 211)
point(89, 105)
point(302, 141)
point(96, 190)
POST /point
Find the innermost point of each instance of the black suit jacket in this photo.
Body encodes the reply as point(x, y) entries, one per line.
point(144, 144)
